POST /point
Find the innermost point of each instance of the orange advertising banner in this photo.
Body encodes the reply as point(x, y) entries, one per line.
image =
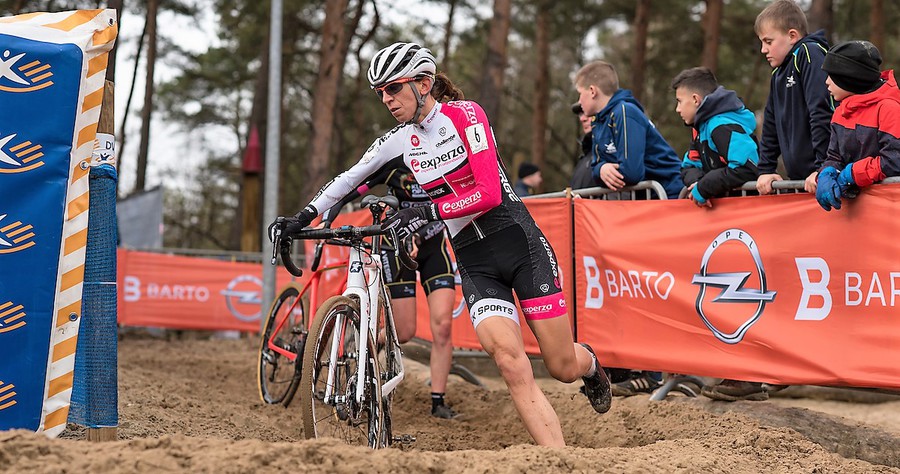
point(178, 292)
point(768, 288)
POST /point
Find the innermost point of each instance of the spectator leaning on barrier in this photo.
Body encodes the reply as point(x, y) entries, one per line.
point(582, 176)
point(723, 153)
point(865, 129)
point(799, 108)
point(529, 178)
point(627, 148)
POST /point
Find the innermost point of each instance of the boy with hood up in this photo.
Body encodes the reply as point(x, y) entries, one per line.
point(627, 148)
point(723, 153)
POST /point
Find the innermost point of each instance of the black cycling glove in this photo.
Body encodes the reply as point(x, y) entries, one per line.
point(296, 222)
point(406, 221)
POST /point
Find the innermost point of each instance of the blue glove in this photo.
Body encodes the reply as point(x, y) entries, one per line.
point(845, 180)
point(695, 193)
point(828, 191)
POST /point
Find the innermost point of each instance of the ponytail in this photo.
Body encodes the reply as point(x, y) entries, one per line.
point(444, 90)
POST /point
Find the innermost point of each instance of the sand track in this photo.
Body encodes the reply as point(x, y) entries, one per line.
point(191, 406)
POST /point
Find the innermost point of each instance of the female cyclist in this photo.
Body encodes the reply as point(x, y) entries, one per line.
point(435, 271)
point(451, 151)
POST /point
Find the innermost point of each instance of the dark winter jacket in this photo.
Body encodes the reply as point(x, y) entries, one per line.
point(644, 156)
point(724, 153)
point(865, 131)
point(798, 112)
point(582, 176)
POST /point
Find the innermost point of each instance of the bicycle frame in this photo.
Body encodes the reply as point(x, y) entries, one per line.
point(364, 281)
point(313, 287)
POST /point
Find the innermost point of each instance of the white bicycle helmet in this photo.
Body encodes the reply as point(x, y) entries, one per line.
point(398, 61)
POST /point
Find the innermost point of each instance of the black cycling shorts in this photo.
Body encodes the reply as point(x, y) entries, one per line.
point(435, 270)
point(516, 258)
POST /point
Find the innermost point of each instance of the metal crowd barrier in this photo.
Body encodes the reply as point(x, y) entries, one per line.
point(641, 190)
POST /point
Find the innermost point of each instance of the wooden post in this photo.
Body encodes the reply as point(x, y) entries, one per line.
point(105, 125)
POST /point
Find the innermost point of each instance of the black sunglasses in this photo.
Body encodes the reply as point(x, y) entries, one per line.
point(393, 88)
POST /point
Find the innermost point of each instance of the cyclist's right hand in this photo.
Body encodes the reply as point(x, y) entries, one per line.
point(296, 222)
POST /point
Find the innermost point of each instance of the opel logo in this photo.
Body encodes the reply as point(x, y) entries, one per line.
point(732, 286)
point(243, 297)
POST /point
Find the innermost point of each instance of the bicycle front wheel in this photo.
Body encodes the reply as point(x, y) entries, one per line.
point(329, 405)
point(286, 329)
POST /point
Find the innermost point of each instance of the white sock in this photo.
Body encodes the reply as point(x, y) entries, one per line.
point(593, 369)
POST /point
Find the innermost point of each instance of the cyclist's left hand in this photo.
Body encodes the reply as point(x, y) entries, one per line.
point(406, 221)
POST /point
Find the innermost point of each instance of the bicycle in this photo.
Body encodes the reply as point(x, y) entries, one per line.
point(353, 360)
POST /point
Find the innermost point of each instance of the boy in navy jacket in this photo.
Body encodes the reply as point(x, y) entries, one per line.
point(798, 112)
point(627, 148)
point(723, 154)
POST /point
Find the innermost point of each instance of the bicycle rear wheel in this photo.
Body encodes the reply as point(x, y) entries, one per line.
point(278, 376)
point(339, 415)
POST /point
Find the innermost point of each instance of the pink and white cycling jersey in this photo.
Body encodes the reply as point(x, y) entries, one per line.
point(453, 155)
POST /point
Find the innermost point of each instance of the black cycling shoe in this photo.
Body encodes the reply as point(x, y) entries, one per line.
point(443, 411)
point(597, 387)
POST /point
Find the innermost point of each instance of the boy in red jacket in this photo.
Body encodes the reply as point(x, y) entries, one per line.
point(864, 146)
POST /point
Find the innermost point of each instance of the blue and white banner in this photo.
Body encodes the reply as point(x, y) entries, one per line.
point(52, 71)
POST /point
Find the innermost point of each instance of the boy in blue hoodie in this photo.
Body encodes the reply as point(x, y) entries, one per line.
point(723, 153)
point(627, 148)
point(798, 113)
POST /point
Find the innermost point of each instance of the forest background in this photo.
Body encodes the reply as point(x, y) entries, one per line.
point(202, 66)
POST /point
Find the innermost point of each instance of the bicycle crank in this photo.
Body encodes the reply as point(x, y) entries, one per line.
point(404, 439)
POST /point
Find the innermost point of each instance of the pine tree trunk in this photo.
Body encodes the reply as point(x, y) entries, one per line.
point(821, 17)
point(876, 17)
point(639, 58)
point(448, 35)
point(712, 27)
point(111, 65)
point(330, 70)
point(541, 86)
point(495, 62)
point(146, 113)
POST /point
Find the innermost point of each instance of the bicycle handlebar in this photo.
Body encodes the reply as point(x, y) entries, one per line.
point(283, 236)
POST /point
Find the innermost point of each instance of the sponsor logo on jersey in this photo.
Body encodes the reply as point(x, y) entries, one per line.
point(446, 140)
point(537, 309)
point(462, 203)
point(494, 308)
point(433, 163)
point(441, 190)
point(442, 132)
point(549, 251)
point(504, 183)
point(23, 74)
point(414, 139)
point(469, 110)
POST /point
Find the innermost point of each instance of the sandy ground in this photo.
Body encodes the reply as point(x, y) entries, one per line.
point(191, 405)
